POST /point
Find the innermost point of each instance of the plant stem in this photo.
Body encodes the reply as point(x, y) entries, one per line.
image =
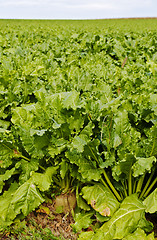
point(130, 183)
point(107, 179)
point(105, 184)
point(150, 188)
point(27, 159)
point(111, 186)
point(140, 183)
point(135, 186)
point(57, 181)
point(93, 154)
point(147, 184)
point(125, 192)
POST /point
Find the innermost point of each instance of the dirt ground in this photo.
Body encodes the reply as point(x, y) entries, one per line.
point(60, 224)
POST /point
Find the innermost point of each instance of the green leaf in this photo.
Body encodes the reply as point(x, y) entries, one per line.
point(86, 166)
point(44, 180)
point(117, 140)
point(82, 220)
point(6, 154)
point(124, 221)
point(4, 124)
point(18, 199)
point(25, 199)
point(122, 168)
point(64, 167)
point(142, 165)
point(34, 145)
point(109, 159)
point(147, 226)
point(23, 115)
point(83, 138)
point(76, 121)
point(71, 100)
point(81, 202)
point(151, 202)
point(101, 199)
point(5, 216)
point(101, 218)
point(56, 146)
point(26, 168)
point(86, 235)
point(140, 235)
point(7, 175)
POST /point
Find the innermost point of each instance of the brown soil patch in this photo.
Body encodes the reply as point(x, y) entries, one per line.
point(59, 224)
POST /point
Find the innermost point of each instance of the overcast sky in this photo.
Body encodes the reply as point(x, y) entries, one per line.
point(77, 9)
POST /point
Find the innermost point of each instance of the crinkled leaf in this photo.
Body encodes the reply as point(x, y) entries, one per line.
point(142, 165)
point(7, 174)
point(147, 226)
point(26, 168)
point(23, 116)
point(109, 159)
point(76, 121)
point(34, 145)
point(44, 180)
point(86, 167)
point(101, 199)
point(71, 100)
point(123, 167)
point(83, 138)
point(56, 146)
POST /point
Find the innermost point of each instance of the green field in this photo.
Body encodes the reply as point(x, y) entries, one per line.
point(78, 119)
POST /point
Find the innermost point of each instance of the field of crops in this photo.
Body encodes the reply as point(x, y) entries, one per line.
point(78, 120)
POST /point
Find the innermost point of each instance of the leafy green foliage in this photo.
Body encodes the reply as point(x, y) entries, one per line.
point(82, 220)
point(123, 222)
point(150, 202)
point(139, 234)
point(101, 199)
point(79, 101)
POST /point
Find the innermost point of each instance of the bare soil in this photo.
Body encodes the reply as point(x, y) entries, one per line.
point(60, 224)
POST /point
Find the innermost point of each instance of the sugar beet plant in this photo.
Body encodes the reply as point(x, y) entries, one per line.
point(81, 105)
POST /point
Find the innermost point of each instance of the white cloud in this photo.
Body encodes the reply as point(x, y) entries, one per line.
point(79, 3)
point(95, 6)
point(77, 9)
point(23, 2)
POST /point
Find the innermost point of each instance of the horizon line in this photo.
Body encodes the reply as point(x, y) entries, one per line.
point(77, 19)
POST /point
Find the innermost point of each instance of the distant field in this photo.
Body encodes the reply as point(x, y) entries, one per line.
point(102, 24)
